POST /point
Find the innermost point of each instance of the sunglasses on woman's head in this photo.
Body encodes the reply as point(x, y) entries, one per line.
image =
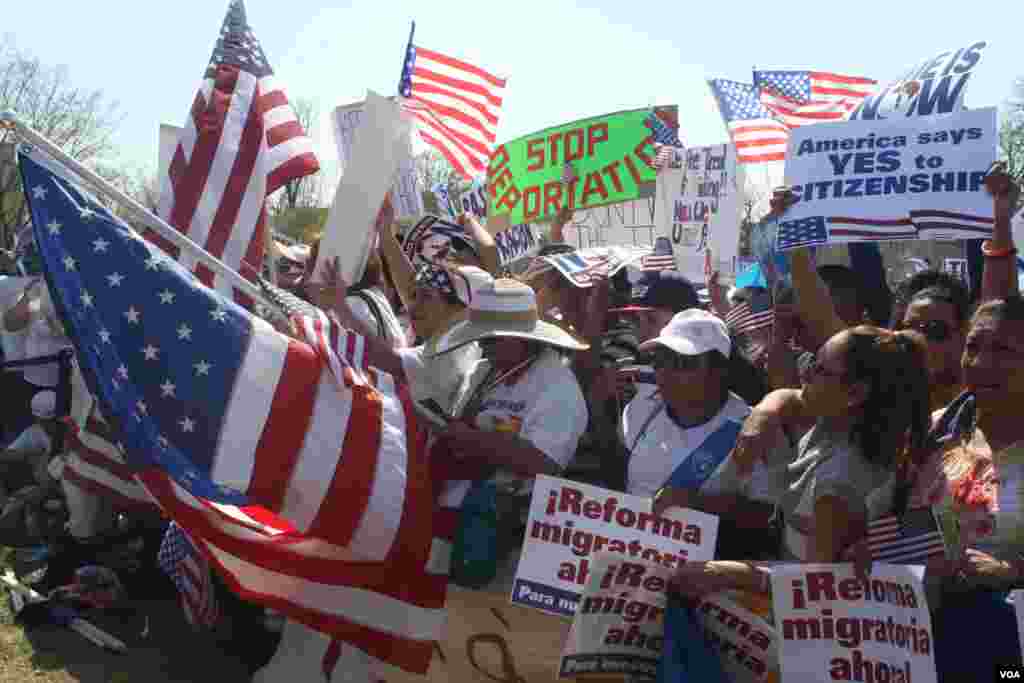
point(664, 359)
point(934, 330)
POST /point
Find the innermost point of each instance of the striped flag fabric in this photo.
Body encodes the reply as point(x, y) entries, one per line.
point(188, 570)
point(301, 478)
point(922, 224)
point(798, 98)
point(240, 143)
point(744, 318)
point(661, 258)
point(456, 106)
point(760, 116)
point(911, 539)
point(758, 136)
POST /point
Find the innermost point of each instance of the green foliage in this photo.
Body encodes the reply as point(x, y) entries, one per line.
point(303, 223)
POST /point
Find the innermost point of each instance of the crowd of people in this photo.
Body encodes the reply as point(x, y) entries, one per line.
point(796, 435)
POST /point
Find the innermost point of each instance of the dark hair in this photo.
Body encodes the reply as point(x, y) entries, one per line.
point(373, 275)
point(840, 278)
point(948, 289)
point(745, 379)
point(896, 413)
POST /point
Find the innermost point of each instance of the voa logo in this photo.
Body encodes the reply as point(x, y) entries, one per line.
point(1009, 675)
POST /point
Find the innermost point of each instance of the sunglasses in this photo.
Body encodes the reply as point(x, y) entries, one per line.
point(934, 330)
point(663, 359)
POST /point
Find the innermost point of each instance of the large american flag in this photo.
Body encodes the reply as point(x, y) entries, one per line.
point(912, 538)
point(755, 132)
point(930, 224)
point(456, 105)
point(797, 98)
point(760, 116)
point(300, 476)
point(240, 143)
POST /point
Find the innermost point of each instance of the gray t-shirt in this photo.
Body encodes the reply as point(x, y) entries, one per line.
point(828, 464)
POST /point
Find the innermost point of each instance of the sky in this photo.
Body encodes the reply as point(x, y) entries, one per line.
point(564, 60)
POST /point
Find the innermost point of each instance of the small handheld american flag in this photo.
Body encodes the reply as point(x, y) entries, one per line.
point(911, 539)
point(187, 568)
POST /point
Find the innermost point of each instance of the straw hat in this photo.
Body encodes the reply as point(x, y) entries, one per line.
point(505, 308)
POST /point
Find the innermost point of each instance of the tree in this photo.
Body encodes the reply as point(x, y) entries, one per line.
point(754, 194)
point(302, 192)
point(79, 120)
point(433, 169)
point(1011, 133)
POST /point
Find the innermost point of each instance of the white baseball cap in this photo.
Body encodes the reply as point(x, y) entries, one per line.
point(691, 333)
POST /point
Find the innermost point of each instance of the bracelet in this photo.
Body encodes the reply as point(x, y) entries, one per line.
point(989, 252)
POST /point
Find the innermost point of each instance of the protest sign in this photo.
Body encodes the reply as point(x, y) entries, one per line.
point(570, 521)
point(581, 266)
point(516, 242)
point(405, 188)
point(699, 208)
point(896, 179)
point(833, 626)
point(474, 200)
point(611, 157)
point(736, 625)
point(619, 627)
point(956, 266)
point(381, 141)
point(934, 86)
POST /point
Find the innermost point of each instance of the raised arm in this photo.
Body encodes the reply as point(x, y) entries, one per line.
point(402, 272)
point(485, 244)
point(999, 277)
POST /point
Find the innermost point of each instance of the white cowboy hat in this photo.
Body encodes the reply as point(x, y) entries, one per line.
point(505, 308)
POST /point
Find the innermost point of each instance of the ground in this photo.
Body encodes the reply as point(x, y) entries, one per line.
point(170, 652)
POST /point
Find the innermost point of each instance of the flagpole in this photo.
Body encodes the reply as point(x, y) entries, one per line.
point(405, 58)
point(10, 120)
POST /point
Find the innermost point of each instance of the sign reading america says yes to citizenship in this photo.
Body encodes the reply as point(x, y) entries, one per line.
point(891, 179)
point(569, 522)
point(611, 157)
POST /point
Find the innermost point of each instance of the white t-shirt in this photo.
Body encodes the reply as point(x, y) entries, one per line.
point(656, 452)
point(437, 377)
point(545, 406)
point(393, 332)
point(34, 438)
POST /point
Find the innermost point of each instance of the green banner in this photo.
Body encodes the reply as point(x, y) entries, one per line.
point(611, 157)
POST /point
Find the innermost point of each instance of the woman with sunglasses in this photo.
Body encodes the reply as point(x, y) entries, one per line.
point(940, 313)
point(678, 438)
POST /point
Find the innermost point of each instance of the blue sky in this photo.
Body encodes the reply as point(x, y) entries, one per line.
point(564, 60)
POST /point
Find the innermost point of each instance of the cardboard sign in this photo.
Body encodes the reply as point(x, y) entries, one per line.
point(834, 626)
point(699, 208)
point(896, 179)
point(405, 188)
point(569, 522)
point(581, 266)
point(519, 241)
point(474, 200)
point(610, 155)
point(935, 86)
point(737, 626)
point(619, 627)
point(382, 140)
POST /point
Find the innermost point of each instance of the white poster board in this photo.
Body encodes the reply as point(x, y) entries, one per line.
point(619, 627)
point(570, 521)
point(892, 179)
point(405, 188)
point(737, 626)
point(699, 210)
point(382, 138)
point(834, 626)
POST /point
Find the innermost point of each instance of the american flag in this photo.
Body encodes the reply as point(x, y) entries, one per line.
point(797, 98)
point(911, 539)
point(755, 132)
point(459, 104)
point(300, 477)
point(187, 568)
point(240, 143)
point(746, 317)
point(930, 224)
point(662, 132)
point(760, 116)
point(661, 258)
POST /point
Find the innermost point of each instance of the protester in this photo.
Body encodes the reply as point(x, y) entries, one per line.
point(35, 314)
point(678, 439)
point(974, 475)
